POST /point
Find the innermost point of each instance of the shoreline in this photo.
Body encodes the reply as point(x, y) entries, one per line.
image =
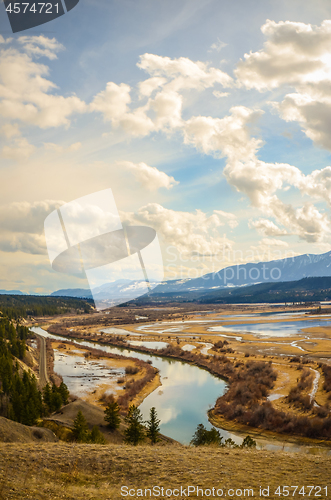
point(231, 426)
point(227, 425)
point(148, 388)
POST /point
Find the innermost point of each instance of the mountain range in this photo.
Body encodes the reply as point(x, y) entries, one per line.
point(241, 275)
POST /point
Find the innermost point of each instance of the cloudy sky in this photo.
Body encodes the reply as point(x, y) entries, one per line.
point(209, 120)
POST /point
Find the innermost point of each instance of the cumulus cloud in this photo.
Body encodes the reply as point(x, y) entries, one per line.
point(25, 93)
point(228, 136)
point(27, 243)
point(267, 227)
point(113, 101)
point(22, 226)
point(19, 150)
point(227, 218)
point(149, 177)
point(191, 233)
point(41, 46)
point(184, 73)
point(169, 78)
point(26, 217)
point(297, 55)
point(10, 130)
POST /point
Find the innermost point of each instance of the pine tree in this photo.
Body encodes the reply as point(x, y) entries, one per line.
point(63, 389)
point(112, 415)
point(153, 426)
point(135, 431)
point(81, 431)
point(96, 436)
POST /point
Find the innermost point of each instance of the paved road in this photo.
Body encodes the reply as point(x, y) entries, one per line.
point(43, 378)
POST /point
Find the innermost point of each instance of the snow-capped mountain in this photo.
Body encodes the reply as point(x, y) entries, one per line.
point(289, 269)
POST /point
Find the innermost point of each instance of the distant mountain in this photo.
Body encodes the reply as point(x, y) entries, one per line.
point(80, 293)
point(12, 292)
point(241, 275)
point(289, 269)
point(314, 289)
point(113, 293)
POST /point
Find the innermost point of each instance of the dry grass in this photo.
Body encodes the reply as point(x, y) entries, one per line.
point(77, 472)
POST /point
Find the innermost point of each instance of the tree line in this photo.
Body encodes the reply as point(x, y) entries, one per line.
point(20, 398)
point(22, 306)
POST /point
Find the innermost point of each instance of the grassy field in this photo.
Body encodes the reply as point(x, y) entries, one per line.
point(55, 471)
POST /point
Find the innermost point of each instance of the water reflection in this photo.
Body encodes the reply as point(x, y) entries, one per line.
point(279, 329)
point(186, 394)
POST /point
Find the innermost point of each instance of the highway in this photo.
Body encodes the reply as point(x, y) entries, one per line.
point(43, 378)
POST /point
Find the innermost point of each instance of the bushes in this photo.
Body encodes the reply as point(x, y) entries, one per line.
point(203, 437)
point(81, 432)
point(131, 370)
point(295, 395)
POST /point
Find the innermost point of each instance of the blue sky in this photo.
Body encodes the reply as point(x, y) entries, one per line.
point(226, 156)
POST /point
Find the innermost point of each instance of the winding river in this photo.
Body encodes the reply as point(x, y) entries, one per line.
point(183, 399)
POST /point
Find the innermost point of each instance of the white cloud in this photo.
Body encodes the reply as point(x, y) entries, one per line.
point(26, 217)
point(112, 102)
point(27, 243)
point(228, 136)
point(25, 93)
point(19, 150)
point(297, 55)
point(227, 218)
point(10, 130)
point(274, 242)
point(218, 46)
point(57, 148)
point(219, 94)
point(184, 73)
point(22, 226)
point(147, 87)
point(41, 46)
point(149, 177)
point(168, 108)
point(190, 233)
point(267, 227)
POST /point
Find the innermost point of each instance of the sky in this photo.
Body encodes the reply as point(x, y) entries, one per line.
point(209, 120)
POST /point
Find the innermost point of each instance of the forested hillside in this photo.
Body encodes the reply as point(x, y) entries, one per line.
point(22, 306)
point(20, 398)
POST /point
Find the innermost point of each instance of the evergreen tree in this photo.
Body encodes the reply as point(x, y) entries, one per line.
point(81, 431)
point(63, 389)
point(96, 436)
point(153, 426)
point(135, 430)
point(248, 442)
point(112, 415)
point(202, 436)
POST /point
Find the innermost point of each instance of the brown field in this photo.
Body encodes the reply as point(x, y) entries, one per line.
point(75, 472)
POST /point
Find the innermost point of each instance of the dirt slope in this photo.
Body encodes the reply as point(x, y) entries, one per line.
point(13, 432)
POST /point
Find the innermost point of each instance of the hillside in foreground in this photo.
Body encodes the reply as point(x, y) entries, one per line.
point(76, 472)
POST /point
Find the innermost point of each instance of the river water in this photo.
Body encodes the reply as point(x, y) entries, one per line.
point(183, 399)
